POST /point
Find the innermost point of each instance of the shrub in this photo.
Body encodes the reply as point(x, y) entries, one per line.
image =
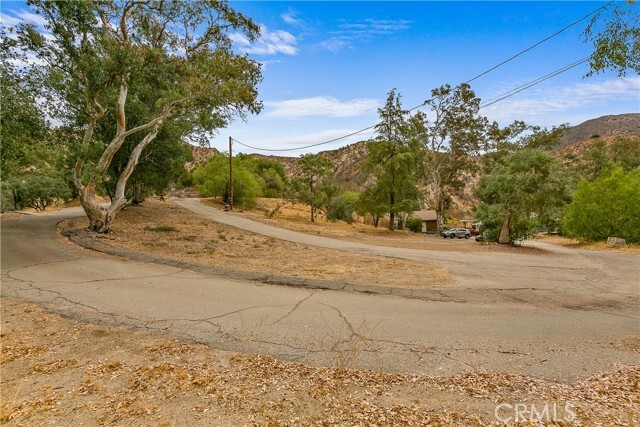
point(342, 207)
point(606, 207)
point(414, 224)
point(39, 191)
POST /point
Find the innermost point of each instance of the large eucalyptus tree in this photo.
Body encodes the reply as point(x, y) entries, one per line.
point(159, 61)
point(451, 132)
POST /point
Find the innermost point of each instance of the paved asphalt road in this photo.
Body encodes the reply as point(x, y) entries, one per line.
point(576, 312)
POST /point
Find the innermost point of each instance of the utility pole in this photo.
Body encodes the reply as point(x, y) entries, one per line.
point(230, 175)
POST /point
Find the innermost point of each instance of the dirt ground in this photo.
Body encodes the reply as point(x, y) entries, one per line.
point(163, 228)
point(577, 244)
point(57, 371)
point(296, 217)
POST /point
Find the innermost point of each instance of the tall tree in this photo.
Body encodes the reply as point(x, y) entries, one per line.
point(314, 170)
point(392, 159)
point(525, 190)
point(168, 60)
point(450, 134)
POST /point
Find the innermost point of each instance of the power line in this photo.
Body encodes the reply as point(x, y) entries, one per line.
point(307, 146)
point(502, 97)
point(540, 42)
point(515, 91)
point(534, 82)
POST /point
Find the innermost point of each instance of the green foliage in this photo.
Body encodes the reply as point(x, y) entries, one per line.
point(30, 152)
point(212, 179)
point(392, 160)
point(273, 176)
point(185, 179)
point(600, 158)
point(372, 201)
point(38, 190)
point(414, 224)
point(341, 207)
point(501, 142)
point(544, 139)
point(615, 39)
point(450, 140)
point(606, 207)
point(161, 163)
point(166, 72)
point(314, 186)
point(524, 191)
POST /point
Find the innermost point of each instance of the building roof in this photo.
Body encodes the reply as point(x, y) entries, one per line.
point(426, 215)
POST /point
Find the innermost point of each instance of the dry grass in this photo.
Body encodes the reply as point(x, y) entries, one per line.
point(163, 228)
point(578, 244)
point(59, 371)
point(296, 217)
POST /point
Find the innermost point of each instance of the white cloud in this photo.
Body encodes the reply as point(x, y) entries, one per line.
point(374, 27)
point(335, 44)
point(269, 43)
point(320, 106)
point(349, 33)
point(12, 18)
point(290, 18)
point(562, 99)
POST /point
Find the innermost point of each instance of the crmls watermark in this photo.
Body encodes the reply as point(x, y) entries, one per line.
point(522, 412)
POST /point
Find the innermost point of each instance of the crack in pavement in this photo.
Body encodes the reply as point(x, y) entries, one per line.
point(8, 272)
point(410, 346)
point(295, 307)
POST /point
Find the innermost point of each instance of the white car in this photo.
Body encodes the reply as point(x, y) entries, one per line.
point(456, 232)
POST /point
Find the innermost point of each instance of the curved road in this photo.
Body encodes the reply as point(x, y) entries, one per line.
point(593, 332)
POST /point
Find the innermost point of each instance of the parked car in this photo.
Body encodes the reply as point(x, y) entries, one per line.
point(456, 232)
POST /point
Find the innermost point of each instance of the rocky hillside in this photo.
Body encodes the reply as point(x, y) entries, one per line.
point(605, 126)
point(348, 161)
point(200, 155)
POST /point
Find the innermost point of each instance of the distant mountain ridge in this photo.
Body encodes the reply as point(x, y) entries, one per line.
point(612, 125)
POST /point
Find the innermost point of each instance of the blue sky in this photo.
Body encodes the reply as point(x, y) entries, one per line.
point(328, 66)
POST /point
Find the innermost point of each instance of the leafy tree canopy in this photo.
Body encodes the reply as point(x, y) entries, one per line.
point(138, 65)
point(615, 36)
point(606, 207)
point(314, 187)
point(392, 159)
point(212, 179)
point(526, 190)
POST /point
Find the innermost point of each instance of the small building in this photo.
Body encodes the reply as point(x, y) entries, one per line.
point(429, 220)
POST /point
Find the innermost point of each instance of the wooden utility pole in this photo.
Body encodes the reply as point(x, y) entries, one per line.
point(230, 175)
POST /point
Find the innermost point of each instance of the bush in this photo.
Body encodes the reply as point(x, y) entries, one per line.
point(38, 191)
point(341, 207)
point(414, 224)
point(212, 180)
point(606, 207)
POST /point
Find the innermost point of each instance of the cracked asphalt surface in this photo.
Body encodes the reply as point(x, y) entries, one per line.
point(559, 316)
